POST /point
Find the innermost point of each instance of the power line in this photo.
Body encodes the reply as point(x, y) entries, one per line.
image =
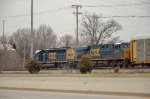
point(141, 5)
point(69, 2)
point(118, 10)
point(50, 11)
point(67, 30)
point(112, 7)
point(16, 16)
point(144, 6)
point(52, 3)
point(125, 16)
point(116, 5)
point(64, 8)
point(48, 4)
point(45, 4)
point(36, 13)
point(64, 26)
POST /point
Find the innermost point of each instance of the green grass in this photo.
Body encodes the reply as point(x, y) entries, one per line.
point(137, 75)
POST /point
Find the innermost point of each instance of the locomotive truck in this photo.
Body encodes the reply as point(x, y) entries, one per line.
point(137, 52)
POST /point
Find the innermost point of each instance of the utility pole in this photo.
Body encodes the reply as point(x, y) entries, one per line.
point(24, 54)
point(3, 30)
point(77, 13)
point(4, 39)
point(32, 34)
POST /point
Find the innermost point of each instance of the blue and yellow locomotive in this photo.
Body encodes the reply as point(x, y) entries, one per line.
point(137, 52)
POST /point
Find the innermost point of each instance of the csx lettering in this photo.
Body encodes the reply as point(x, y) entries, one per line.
point(95, 52)
point(52, 55)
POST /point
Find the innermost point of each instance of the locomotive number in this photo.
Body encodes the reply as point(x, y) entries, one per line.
point(95, 52)
point(70, 54)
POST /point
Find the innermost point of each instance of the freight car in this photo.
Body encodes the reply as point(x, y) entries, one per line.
point(137, 52)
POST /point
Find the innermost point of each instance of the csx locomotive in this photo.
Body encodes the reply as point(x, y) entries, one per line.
point(137, 52)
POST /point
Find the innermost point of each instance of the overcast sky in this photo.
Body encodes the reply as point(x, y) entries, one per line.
point(59, 15)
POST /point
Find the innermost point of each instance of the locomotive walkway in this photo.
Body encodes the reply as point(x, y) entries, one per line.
point(109, 86)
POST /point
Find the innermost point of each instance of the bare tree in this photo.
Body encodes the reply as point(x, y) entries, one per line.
point(9, 59)
point(45, 37)
point(66, 40)
point(20, 39)
point(3, 40)
point(95, 30)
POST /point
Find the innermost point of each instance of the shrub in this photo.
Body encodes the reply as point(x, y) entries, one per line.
point(116, 70)
point(33, 67)
point(85, 65)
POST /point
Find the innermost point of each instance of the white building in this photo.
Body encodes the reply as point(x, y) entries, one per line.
point(8, 47)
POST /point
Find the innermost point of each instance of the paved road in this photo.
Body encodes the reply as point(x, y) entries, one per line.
point(131, 85)
point(15, 94)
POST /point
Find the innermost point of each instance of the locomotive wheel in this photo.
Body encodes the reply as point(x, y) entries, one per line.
point(113, 64)
point(121, 65)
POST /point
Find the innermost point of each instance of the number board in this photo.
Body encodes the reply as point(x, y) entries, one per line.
point(70, 54)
